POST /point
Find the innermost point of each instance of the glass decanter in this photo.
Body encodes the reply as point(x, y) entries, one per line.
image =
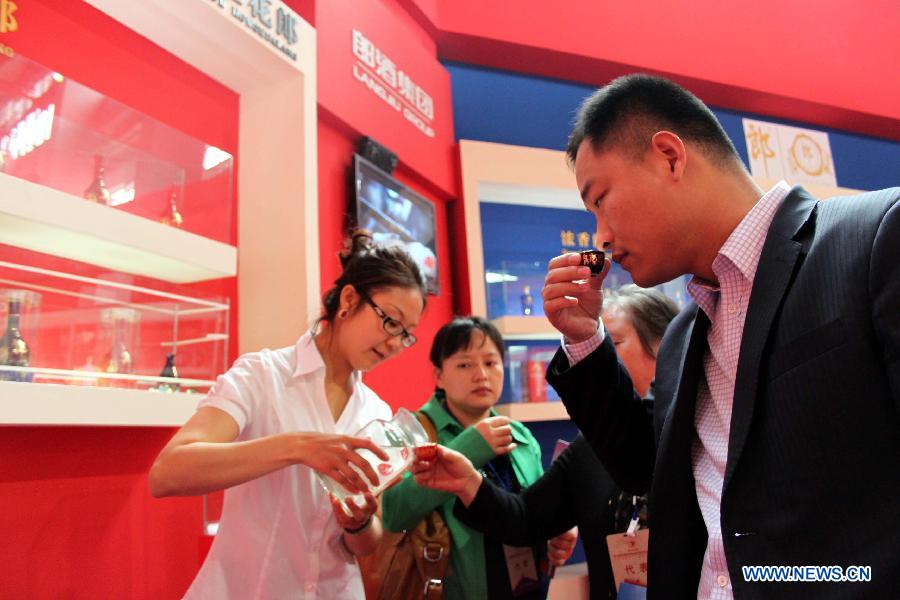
point(397, 437)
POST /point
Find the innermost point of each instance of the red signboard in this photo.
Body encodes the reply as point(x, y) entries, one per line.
point(378, 72)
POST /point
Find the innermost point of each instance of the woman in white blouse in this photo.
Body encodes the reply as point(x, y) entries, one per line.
point(277, 417)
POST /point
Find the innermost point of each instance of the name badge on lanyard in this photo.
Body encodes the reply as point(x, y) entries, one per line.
point(628, 556)
point(628, 551)
point(523, 577)
point(520, 565)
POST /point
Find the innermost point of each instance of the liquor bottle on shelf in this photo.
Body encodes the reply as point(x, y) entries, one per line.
point(14, 350)
point(172, 216)
point(169, 370)
point(119, 359)
point(120, 327)
point(97, 190)
point(527, 301)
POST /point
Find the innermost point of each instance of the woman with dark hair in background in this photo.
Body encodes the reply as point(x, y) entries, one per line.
point(467, 355)
point(277, 418)
point(576, 489)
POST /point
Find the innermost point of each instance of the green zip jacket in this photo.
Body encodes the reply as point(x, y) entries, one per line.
point(405, 504)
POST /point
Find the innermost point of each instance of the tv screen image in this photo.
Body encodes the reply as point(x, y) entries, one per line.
point(396, 215)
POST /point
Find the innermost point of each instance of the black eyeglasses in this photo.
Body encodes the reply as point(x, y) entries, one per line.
point(391, 325)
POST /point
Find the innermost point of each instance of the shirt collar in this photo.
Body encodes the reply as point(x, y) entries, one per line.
point(306, 356)
point(742, 249)
point(744, 246)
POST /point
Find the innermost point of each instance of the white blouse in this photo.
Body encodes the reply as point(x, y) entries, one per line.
point(277, 536)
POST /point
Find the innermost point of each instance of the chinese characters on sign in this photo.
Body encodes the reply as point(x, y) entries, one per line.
point(8, 22)
point(271, 20)
point(586, 241)
point(380, 74)
point(789, 153)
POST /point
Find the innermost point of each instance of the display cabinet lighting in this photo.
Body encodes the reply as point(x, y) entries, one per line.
point(29, 133)
point(214, 157)
point(492, 277)
point(122, 195)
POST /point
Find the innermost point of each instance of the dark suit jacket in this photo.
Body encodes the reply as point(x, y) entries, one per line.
point(813, 470)
point(575, 490)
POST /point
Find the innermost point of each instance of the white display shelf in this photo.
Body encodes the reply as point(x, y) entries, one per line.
point(526, 328)
point(43, 219)
point(534, 411)
point(52, 404)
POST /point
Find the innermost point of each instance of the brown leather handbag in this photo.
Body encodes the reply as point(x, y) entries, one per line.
point(412, 564)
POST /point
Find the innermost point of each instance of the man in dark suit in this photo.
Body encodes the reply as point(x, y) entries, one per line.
point(776, 434)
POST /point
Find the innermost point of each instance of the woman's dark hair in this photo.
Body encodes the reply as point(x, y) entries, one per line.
point(649, 309)
point(370, 267)
point(630, 109)
point(457, 335)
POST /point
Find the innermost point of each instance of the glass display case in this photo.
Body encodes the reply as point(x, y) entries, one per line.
point(83, 331)
point(116, 234)
point(525, 366)
point(514, 287)
point(58, 133)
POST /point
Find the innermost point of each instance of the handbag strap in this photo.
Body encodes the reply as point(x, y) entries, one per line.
point(435, 567)
point(428, 426)
point(434, 554)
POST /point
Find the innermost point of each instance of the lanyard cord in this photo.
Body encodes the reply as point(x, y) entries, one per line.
point(503, 481)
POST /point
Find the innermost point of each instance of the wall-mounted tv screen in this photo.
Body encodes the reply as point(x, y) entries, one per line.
point(396, 215)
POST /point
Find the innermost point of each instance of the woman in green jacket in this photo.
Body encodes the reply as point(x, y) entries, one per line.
point(467, 355)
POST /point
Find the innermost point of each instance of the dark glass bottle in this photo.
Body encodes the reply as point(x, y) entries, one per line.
point(14, 350)
point(97, 190)
point(170, 370)
point(527, 301)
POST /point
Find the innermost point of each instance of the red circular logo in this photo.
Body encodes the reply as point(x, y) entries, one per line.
point(404, 453)
point(385, 468)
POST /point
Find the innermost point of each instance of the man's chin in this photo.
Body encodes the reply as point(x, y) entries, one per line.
point(648, 280)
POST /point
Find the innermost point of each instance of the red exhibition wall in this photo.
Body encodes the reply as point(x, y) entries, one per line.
point(348, 110)
point(75, 514)
point(829, 63)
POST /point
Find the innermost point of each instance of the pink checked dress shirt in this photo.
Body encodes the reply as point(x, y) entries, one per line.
point(726, 306)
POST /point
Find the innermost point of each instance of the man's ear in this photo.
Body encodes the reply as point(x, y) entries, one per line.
point(438, 377)
point(671, 149)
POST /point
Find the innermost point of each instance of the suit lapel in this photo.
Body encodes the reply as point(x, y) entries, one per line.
point(678, 425)
point(773, 276)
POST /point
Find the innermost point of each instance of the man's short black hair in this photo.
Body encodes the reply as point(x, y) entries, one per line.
point(629, 110)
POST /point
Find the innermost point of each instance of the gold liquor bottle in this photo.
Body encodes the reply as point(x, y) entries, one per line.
point(97, 190)
point(119, 358)
point(14, 350)
point(172, 217)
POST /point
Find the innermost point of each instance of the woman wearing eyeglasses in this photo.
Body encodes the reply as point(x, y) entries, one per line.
point(467, 355)
point(279, 416)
